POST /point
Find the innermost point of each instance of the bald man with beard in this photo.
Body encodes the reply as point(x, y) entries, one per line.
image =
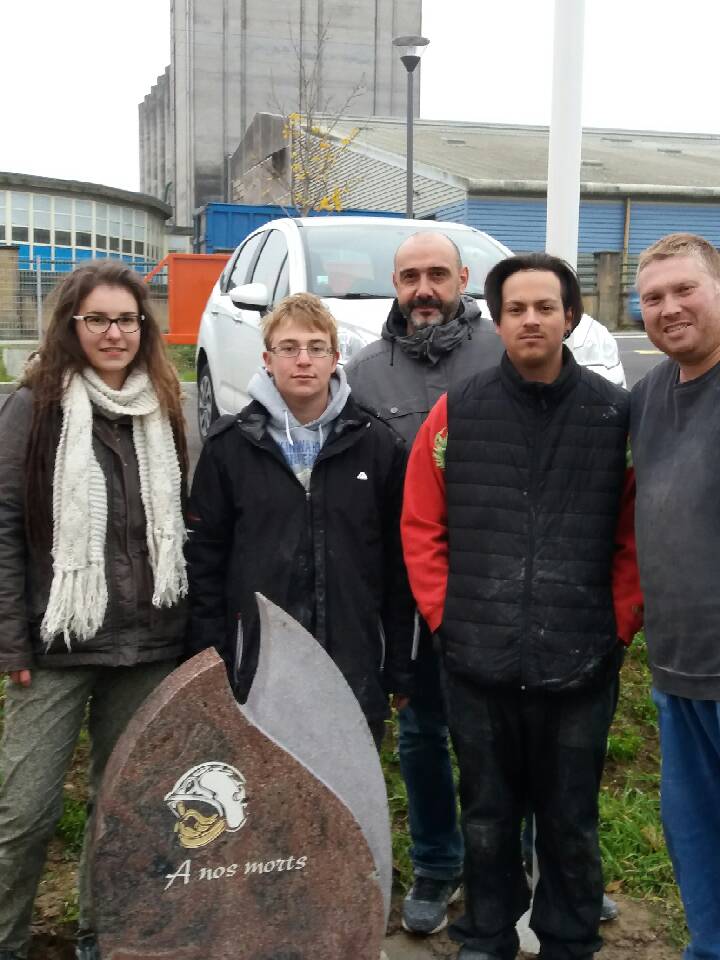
point(434, 337)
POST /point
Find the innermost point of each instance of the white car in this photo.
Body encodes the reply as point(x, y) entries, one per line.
point(347, 261)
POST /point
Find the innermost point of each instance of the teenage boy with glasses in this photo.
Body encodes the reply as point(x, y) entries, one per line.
point(299, 497)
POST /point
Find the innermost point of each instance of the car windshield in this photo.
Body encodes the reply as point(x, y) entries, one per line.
point(354, 261)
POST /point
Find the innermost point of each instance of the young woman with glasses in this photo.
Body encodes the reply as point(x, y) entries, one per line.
point(92, 575)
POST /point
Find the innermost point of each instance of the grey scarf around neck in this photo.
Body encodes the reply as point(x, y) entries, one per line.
point(430, 343)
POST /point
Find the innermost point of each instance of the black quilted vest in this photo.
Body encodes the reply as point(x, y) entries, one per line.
point(534, 475)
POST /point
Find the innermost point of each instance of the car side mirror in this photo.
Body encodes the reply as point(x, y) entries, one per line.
point(250, 296)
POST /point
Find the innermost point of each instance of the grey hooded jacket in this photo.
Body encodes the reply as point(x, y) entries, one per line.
point(300, 442)
point(399, 377)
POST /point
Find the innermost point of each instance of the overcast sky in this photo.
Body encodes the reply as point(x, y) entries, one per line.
point(75, 72)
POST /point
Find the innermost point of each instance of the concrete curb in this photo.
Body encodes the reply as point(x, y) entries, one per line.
point(8, 387)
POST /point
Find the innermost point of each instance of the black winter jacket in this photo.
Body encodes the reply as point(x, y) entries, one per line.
point(134, 631)
point(534, 475)
point(330, 557)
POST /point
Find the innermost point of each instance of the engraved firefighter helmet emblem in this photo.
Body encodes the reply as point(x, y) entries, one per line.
point(207, 801)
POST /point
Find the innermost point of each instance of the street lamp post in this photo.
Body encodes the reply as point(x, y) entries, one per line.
point(412, 48)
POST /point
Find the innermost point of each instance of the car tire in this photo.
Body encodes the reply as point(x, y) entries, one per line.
point(206, 410)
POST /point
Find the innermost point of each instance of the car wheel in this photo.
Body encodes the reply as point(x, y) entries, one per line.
point(206, 409)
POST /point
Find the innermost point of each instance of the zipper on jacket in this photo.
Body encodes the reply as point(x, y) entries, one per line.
point(531, 494)
point(383, 644)
point(416, 636)
point(332, 447)
point(326, 452)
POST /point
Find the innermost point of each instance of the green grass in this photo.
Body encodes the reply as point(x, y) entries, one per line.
point(624, 747)
point(397, 801)
point(4, 375)
point(71, 827)
point(182, 356)
point(71, 911)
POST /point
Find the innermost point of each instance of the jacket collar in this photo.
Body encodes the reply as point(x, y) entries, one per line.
point(253, 420)
point(544, 394)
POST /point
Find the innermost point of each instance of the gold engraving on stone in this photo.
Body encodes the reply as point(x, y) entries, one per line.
point(195, 830)
point(216, 788)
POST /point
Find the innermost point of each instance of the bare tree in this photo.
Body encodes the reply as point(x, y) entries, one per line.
point(315, 148)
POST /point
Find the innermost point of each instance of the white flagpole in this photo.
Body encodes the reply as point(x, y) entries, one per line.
point(563, 191)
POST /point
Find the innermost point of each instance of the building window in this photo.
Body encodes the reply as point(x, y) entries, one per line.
point(20, 217)
point(83, 223)
point(140, 247)
point(114, 229)
point(63, 221)
point(127, 230)
point(101, 225)
point(41, 218)
point(140, 225)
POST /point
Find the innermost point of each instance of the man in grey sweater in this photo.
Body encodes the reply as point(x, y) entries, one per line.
point(675, 440)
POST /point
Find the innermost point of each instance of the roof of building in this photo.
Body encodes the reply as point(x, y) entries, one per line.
point(93, 191)
point(497, 158)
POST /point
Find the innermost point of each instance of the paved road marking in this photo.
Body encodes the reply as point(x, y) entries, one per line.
point(648, 353)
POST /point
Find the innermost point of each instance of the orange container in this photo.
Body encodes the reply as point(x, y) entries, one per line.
point(191, 277)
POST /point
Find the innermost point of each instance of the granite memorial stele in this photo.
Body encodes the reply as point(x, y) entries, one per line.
point(245, 832)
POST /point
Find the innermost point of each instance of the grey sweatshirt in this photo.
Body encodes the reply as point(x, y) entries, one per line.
point(675, 442)
point(299, 442)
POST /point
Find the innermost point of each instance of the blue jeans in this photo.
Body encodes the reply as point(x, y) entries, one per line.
point(690, 807)
point(437, 844)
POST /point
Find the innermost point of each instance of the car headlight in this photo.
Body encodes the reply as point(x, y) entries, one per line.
point(351, 342)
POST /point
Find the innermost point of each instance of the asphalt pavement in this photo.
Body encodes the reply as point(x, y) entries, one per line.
point(638, 355)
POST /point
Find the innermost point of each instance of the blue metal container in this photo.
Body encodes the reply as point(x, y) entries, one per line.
point(220, 227)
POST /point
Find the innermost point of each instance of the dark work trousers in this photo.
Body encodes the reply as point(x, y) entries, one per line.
point(520, 750)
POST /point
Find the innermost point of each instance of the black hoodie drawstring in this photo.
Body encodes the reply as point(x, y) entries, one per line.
point(392, 352)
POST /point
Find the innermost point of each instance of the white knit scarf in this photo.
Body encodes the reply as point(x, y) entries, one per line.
point(78, 595)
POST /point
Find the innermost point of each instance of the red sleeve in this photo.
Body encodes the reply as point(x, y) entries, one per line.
point(627, 595)
point(424, 516)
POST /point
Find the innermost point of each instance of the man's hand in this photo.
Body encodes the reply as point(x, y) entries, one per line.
point(22, 678)
point(399, 702)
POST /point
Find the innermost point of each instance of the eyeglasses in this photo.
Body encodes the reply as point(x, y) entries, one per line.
point(99, 323)
point(314, 350)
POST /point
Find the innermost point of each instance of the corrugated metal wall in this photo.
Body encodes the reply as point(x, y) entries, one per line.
point(457, 213)
point(521, 223)
point(650, 221)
